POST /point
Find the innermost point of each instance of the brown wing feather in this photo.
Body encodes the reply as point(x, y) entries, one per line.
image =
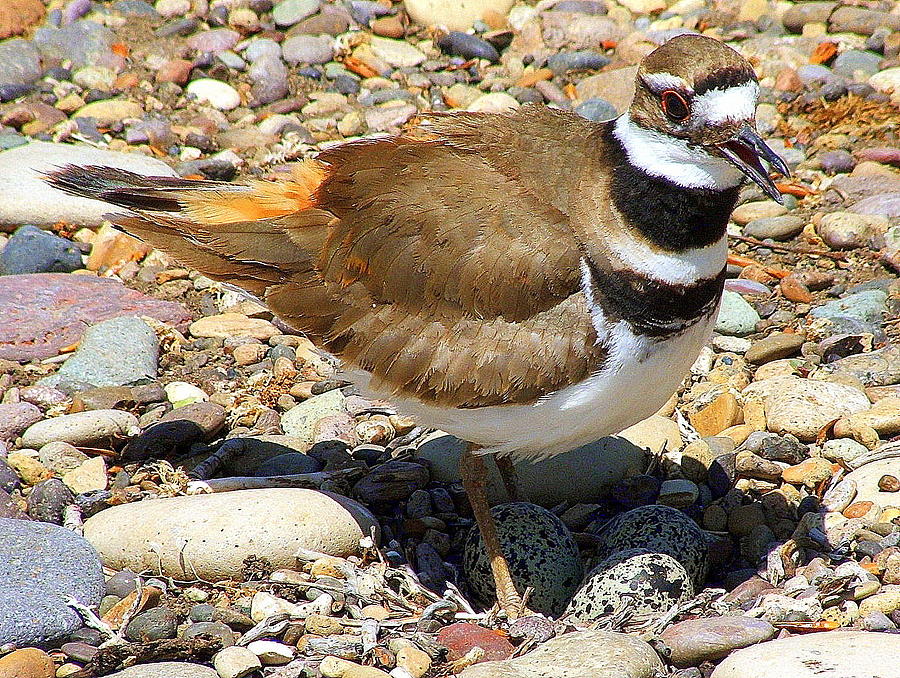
point(421, 260)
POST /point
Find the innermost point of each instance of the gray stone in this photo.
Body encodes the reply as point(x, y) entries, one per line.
point(838, 654)
point(289, 463)
point(270, 79)
point(48, 500)
point(574, 476)
point(81, 428)
point(289, 12)
point(308, 49)
point(711, 638)
point(644, 582)
point(154, 624)
point(31, 250)
point(584, 654)
point(596, 109)
point(85, 43)
point(40, 566)
point(166, 670)
point(300, 420)
point(736, 316)
point(884, 205)
point(776, 228)
point(115, 352)
point(15, 418)
point(214, 41)
point(541, 553)
point(867, 306)
point(29, 199)
point(877, 368)
point(20, 62)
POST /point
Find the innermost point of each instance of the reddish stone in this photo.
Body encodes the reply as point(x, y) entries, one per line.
point(45, 312)
point(885, 154)
point(176, 70)
point(17, 16)
point(462, 637)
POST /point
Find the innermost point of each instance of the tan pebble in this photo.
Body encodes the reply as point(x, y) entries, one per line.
point(334, 667)
point(809, 472)
point(723, 412)
point(880, 602)
point(323, 625)
point(890, 514)
point(89, 476)
point(112, 248)
point(755, 414)
point(414, 660)
point(302, 390)
point(31, 471)
point(67, 669)
point(28, 662)
point(889, 483)
point(738, 433)
point(247, 354)
point(329, 567)
point(233, 325)
point(375, 612)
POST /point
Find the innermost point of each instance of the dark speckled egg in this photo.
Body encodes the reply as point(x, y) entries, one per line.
point(541, 552)
point(640, 581)
point(657, 529)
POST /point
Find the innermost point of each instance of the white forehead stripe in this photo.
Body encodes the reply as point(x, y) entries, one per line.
point(658, 82)
point(732, 103)
point(661, 155)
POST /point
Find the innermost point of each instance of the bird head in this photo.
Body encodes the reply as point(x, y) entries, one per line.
point(695, 106)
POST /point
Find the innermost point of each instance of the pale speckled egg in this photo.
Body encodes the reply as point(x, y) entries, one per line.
point(658, 529)
point(641, 581)
point(541, 552)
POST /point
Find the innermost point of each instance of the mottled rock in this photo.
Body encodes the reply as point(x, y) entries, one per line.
point(46, 312)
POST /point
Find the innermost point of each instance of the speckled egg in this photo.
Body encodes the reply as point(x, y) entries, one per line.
point(644, 582)
point(541, 552)
point(658, 529)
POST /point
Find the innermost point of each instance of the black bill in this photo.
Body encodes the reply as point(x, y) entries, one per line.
point(745, 150)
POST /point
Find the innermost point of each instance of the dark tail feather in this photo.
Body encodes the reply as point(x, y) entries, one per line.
point(126, 189)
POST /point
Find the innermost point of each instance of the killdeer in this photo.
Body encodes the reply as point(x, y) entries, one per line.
point(528, 282)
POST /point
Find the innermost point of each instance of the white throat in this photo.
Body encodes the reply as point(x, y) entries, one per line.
point(668, 157)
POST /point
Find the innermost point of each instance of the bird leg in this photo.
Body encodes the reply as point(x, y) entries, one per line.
point(474, 477)
point(508, 475)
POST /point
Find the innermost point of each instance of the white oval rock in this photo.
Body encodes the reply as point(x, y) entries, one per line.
point(80, 429)
point(803, 406)
point(271, 652)
point(456, 15)
point(216, 93)
point(838, 654)
point(210, 535)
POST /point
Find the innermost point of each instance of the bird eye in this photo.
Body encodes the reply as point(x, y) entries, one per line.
point(674, 105)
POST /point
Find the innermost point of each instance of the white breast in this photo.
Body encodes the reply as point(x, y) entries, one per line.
point(637, 380)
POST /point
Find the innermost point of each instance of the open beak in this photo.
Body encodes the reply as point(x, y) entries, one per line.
point(745, 150)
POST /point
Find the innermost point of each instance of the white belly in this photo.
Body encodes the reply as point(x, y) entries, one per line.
point(639, 377)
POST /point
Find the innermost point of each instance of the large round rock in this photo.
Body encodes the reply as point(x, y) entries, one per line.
point(41, 565)
point(210, 535)
point(658, 529)
point(644, 582)
point(541, 553)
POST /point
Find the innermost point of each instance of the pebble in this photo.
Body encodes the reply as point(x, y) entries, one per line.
point(31, 250)
point(28, 662)
point(839, 654)
point(290, 12)
point(494, 102)
point(15, 418)
point(20, 62)
point(867, 306)
point(541, 553)
point(177, 430)
point(867, 480)
point(28, 199)
point(454, 16)
point(236, 662)
point(114, 352)
point(82, 429)
point(41, 564)
point(300, 420)
point(777, 228)
point(155, 624)
point(776, 346)
point(750, 211)
point(220, 95)
point(211, 535)
point(736, 316)
point(802, 407)
point(108, 112)
point(648, 583)
point(48, 500)
point(396, 53)
point(308, 49)
point(270, 652)
point(214, 41)
point(695, 641)
point(459, 638)
point(847, 231)
point(89, 476)
point(227, 325)
point(468, 46)
point(166, 670)
point(598, 654)
point(334, 667)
